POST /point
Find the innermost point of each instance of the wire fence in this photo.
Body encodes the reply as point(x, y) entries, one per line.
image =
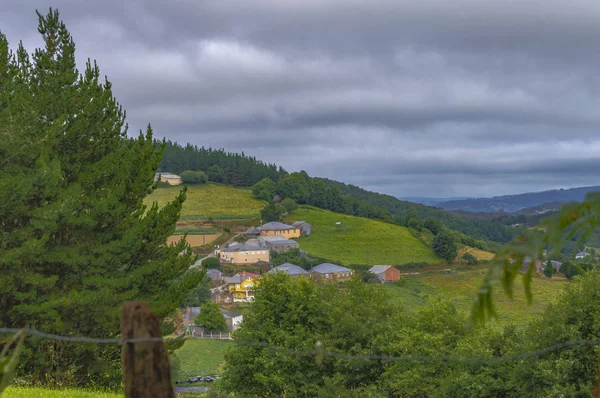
point(319, 351)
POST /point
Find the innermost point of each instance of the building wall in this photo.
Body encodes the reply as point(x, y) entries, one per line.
point(283, 248)
point(245, 257)
point(288, 233)
point(336, 276)
point(392, 274)
point(172, 181)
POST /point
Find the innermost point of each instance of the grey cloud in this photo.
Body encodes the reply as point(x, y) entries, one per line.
point(409, 98)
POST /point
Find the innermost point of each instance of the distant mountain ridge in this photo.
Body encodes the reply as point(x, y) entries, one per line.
point(515, 203)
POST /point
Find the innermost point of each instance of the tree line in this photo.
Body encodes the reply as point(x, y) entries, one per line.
point(235, 169)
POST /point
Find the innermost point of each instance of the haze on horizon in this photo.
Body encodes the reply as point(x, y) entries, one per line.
point(428, 98)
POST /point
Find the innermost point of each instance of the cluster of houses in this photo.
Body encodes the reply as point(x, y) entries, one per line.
point(540, 265)
point(270, 237)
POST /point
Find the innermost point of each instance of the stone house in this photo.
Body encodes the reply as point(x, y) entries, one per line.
point(290, 269)
point(278, 243)
point(330, 272)
point(172, 179)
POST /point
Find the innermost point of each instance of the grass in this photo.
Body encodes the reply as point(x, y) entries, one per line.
point(198, 357)
point(460, 288)
point(28, 392)
point(211, 200)
point(359, 240)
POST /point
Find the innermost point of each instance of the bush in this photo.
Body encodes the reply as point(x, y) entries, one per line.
point(444, 246)
point(289, 204)
point(194, 177)
point(264, 189)
point(470, 259)
point(211, 263)
point(211, 318)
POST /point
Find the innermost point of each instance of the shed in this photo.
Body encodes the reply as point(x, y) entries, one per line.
point(385, 273)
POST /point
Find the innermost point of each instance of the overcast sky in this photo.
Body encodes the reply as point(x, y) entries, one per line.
point(411, 98)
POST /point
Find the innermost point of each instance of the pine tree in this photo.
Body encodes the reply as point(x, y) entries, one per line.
point(76, 240)
point(548, 269)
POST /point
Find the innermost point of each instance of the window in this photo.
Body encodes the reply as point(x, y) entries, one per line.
point(252, 253)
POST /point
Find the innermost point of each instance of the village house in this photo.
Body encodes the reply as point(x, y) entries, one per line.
point(274, 228)
point(233, 320)
point(539, 265)
point(216, 276)
point(172, 179)
point(243, 253)
point(385, 273)
point(330, 272)
point(278, 243)
point(305, 227)
point(241, 286)
point(581, 255)
point(290, 269)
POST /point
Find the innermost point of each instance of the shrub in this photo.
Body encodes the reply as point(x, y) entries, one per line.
point(470, 259)
point(211, 263)
point(289, 204)
point(194, 177)
point(211, 318)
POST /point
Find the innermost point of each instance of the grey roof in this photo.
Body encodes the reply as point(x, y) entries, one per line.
point(299, 223)
point(230, 314)
point(583, 254)
point(253, 230)
point(328, 268)
point(379, 269)
point(275, 226)
point(277, 239)
point(214, 273)
point(290, 269)
point(167, 175)
point(241, 247)
point(233, 279)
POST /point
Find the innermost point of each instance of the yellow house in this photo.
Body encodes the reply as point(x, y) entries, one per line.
point(243, 253)
point(275, 228)
point(241, 286)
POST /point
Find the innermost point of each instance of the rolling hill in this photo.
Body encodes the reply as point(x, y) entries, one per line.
point(359, 240)
point(514, 203)
point(211, 200)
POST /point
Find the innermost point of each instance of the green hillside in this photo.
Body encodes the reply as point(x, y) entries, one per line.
point(359, 240)
point(211, 200)
point(461, 285)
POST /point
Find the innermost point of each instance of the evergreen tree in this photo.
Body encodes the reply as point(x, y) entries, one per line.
point(77, 240)
point(444, 246)
point(548, 269)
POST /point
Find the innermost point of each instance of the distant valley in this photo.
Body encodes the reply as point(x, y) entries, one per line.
point(530, 203)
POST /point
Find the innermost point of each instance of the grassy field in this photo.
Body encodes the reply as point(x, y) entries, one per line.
point(29, 392)
point(198, 357)
point(460, 287)
point(359, 240)
point(211, 200)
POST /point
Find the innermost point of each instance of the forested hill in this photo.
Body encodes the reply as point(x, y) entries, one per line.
point(242, 170)
point(514, 203)
point(225, 167)
point(408, 211)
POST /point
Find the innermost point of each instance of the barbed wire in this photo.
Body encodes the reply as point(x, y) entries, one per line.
point(318, 352)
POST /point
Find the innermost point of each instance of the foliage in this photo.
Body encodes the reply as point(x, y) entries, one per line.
point(289, 204)
point(443, 245)
point(211, 318)
point(264, 189)
point(199, 295)
point(211, 263)
point(432, 225)
point(359, 240)
point(575, 219)
point(194, 177)
point(470, 259)
point(210, 200)
point(271, 212)
point(548, 269)
point(296, 314)
point(77, 240)
point(235, 169)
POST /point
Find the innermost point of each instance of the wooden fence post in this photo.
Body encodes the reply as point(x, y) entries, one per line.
point(146, 371)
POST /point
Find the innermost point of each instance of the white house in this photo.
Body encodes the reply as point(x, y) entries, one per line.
point(581, 255)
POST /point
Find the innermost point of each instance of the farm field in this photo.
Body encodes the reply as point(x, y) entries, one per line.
point(193, 240)
point(211, 200)
point(198, 357)
point(359, 240)
point(460, 287)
